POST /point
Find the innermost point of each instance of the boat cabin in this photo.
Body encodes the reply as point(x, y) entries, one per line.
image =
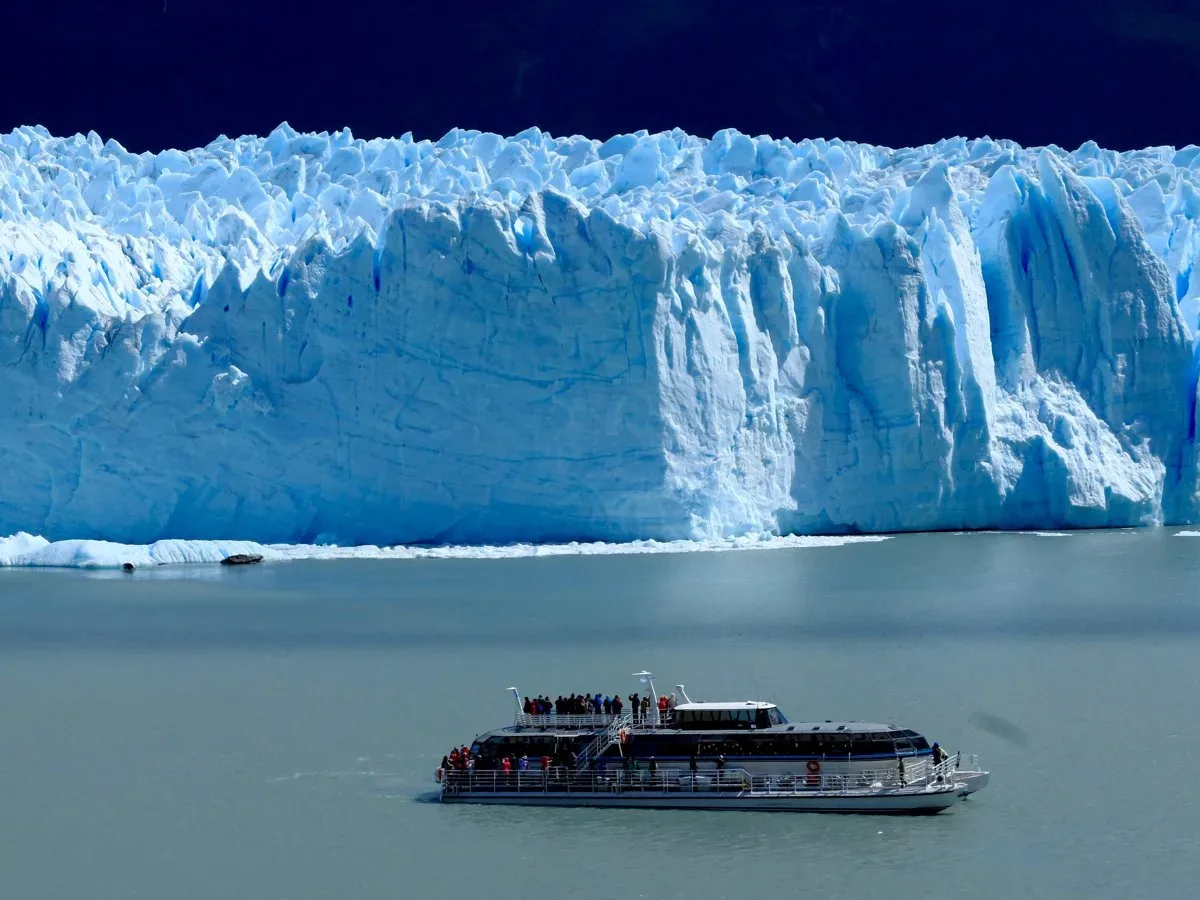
point(743, 714)
point(739, 730)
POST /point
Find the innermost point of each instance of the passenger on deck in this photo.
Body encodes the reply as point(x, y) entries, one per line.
point(662, 704)
point(617, 705)
point(653, 765)
point(720, 764)
point(506, 765)
point(545, 764)
point(528, 707)
point(939, 755)
point(523, 765)
point(634, 706)
point(597, 704)
point(645, 708)
point(607, 706)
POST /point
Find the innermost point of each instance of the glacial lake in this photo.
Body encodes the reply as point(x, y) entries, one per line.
point(272, 731)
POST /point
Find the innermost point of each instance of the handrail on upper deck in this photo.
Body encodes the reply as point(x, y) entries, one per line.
point(578, 721)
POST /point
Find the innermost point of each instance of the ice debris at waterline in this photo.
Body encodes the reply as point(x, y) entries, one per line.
point(312, 337)
point(25, 550)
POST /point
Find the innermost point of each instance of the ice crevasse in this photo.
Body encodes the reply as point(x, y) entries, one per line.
point(314, 337)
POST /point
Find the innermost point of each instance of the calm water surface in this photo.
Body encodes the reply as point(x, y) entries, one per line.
point(272, 732)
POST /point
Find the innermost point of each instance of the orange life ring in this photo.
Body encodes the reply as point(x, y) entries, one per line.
point(438, 775)
point(624, 736)
point(814, 772)
point(813, 766)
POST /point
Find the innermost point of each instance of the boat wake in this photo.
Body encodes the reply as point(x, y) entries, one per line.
point(384, 785)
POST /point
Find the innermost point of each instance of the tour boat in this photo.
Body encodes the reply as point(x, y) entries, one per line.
point(742, 754)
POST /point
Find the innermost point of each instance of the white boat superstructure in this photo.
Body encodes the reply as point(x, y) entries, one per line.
point(728, 755)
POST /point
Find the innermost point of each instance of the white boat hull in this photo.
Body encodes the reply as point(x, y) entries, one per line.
point(900, 802)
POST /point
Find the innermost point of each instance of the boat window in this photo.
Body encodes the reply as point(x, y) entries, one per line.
point(774, 744)
point(866, 743)
point(645, 746)
point(920, 743)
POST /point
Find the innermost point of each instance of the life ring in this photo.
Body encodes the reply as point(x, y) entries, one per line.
point(814, 772)
point(624, 736)
point(439, 774)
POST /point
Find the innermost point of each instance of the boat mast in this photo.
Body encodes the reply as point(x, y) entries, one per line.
point(647, 678)
point(517, 700)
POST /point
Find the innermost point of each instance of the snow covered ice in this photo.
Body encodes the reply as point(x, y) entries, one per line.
point(487, 340)
point(25, 550)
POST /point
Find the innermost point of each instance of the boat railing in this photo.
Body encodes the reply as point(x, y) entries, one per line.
point(605, 739)
point(561, 779)
point(914, 768)
point(967, 762)
point(591, 722)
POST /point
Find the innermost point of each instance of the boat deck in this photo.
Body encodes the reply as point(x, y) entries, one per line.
point(871, 791)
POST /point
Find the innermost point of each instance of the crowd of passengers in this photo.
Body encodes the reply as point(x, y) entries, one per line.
point(595, 705)
point(462, 760)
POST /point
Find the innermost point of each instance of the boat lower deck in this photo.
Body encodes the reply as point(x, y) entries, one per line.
point(674, 790)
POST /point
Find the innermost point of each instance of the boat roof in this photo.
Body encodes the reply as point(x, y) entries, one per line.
point(730, 704)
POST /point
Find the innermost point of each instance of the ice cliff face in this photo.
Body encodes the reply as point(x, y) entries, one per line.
point(311, 337)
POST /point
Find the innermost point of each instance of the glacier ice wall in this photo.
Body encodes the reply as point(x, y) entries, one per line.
point(485, 339)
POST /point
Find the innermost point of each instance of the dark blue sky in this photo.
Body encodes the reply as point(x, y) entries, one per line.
point(180, 72)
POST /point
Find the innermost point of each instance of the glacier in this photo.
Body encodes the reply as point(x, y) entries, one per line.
point(315, 338)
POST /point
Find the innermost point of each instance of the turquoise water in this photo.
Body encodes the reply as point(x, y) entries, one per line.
point(272, 732)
